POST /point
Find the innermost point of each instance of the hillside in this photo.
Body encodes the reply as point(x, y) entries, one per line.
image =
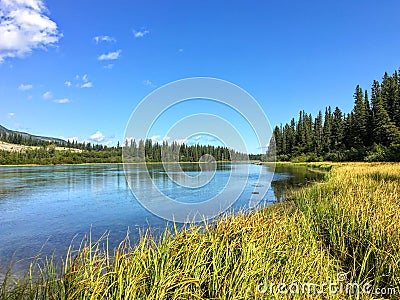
point(27, 135)
point(15, 147)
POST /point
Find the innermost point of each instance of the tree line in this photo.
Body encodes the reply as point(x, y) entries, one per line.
point(146, 150)
point(370, 132)
point(142, 151)
point(47, 155)
point(17, 138)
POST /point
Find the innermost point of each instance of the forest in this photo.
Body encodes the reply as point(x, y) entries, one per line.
point(370, 132)
point(144, 150)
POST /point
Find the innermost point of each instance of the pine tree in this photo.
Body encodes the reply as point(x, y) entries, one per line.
point(278, 140)
point(326, 137)
point(360, 120)
point(337, 129)
point(396, 101)
point(318, 133)
point(369, 136)
point(384, 131)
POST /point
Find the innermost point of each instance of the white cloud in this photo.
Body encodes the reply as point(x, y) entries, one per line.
point(166, 138)
point(71, 139)
point(181, 141)
point(87, 85)
point(11, 115)
point(180, 50)
point(148, 83)
point(104, 38)
point(47, 95)
point(110, 56)
point(108, 143)
point(140, 33)
point(97, 137)
point(24, 26)
point(25, 87)
point(154, 138)
point(108, 67)
point(61, 101)
point(68, 83)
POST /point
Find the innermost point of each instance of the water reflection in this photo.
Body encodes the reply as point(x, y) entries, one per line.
point(52, 205)
point(288, 177)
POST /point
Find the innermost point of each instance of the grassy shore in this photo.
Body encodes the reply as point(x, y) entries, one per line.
point(333, 236)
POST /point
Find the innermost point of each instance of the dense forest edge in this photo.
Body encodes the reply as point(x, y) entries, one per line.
point(370, 132)
point(46, 153)
point(328, 234)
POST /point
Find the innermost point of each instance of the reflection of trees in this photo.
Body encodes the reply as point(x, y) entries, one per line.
point(299, 176)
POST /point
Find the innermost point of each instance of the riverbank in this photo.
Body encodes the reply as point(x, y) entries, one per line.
point(340, 231)
point(119, 163)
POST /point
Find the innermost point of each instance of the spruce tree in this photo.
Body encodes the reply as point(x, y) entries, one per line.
point(337, 129)
point(326, 137)
point(318, 133)
point(384, 131)
point(360, 119)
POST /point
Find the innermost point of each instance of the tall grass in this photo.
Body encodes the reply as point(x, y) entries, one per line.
point(349, 224)
point(356, 214)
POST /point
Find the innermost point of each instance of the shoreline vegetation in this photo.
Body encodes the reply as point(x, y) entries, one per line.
point(49, 153)
point(344, 230)
point(370, 132)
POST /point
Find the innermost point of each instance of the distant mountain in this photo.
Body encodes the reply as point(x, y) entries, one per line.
point(27, 135)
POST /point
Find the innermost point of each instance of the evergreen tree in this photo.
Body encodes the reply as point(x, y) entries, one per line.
point(326, 140)
point(360, 121)
point(384, 131)
point(318, 133)
point(337, 129)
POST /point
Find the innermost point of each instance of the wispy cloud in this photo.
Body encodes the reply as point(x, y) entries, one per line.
point(140, 33)
point(25, 87)
point(11, 115)
point(111, 55)
point(48, 95)
point(148, 83)
point(180, 50)
point(155, 138)
point(108, 67)
point(181, 141)
point(24, 27)
point(97, 137)
point(80, 82)
point(71, 139)
point(87, 85)
point(104, 38)
point(108, 143)
point(61, 101)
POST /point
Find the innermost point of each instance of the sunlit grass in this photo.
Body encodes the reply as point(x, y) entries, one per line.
point(349, 223)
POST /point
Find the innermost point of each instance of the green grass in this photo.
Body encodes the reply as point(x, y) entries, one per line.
point(349, 223)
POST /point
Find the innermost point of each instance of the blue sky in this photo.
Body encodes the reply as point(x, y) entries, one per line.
point(79, 68)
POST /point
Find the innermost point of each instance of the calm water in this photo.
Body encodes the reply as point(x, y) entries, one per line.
point(45, 208)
